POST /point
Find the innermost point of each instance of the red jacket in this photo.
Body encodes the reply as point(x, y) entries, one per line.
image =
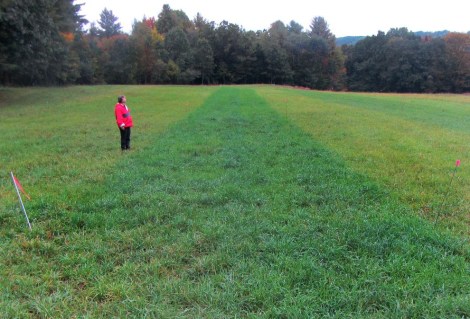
point(123, 115)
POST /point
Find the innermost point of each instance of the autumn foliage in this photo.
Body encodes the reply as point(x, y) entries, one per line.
point(171, 48)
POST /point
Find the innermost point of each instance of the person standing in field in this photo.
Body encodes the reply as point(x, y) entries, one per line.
point(124, 122)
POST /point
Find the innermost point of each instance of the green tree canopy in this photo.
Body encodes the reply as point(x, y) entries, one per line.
point(43, 43)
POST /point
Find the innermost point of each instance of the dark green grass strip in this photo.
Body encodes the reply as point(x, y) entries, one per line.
point(235, 212)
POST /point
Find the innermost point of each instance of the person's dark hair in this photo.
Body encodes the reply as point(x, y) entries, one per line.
point(120, 98)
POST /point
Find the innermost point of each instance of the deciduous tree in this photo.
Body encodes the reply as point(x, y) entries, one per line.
point(146, 41)
point(458, 52)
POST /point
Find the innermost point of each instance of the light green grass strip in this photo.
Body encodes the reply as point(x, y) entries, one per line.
point(408, 143)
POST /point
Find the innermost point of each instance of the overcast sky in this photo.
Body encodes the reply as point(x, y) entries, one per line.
point(344, 17)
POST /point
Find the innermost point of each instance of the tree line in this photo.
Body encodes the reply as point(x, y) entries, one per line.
point(44, 43)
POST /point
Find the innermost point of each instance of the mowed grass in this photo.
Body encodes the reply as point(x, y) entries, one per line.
point(60, 141)
point(407, 143)
point(224, 208)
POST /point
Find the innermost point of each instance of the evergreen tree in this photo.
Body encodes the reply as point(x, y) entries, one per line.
point(36, 36)
point(166, 20)
point(328, 65)
point(275, 46)
point(169, 19)
point(204, 60)
point(227, 52)
point(108, 24)
point(319, 28)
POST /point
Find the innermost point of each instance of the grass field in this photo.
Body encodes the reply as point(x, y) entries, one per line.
point(251, 202)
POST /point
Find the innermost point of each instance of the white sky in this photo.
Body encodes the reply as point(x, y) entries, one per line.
point(344, 17)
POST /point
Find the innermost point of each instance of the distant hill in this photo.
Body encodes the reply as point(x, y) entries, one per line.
point(352, 40)
point(436, 34)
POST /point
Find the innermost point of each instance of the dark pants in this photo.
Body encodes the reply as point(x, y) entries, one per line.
point(125, 138)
